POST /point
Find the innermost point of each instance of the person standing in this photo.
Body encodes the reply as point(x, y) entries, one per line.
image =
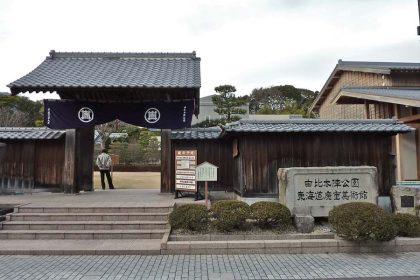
point(104, 164)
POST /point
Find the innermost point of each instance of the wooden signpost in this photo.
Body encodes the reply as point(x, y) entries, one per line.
point(206, 172)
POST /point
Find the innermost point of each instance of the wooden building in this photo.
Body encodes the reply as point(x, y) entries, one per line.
point(377, 90)
point(250, 152)
point(33, 158)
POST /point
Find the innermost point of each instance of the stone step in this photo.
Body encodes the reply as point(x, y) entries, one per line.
point(83, 225)
point(81, 234)
point(82, 209)
point(89, 216)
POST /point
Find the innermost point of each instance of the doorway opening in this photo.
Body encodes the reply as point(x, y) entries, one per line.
point(135, 154)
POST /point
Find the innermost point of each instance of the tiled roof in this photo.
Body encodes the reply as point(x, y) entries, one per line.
point(196, 133)
point(29, 133)
point(362, 66)
point(112, 70)
point(398, 92)
point(379, 65)
point(318, 125)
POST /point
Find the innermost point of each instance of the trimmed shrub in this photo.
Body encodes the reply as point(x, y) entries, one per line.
point(268, 214)
point(362, 221)
point(407, 225)
point(230, 214)
point(189, 217)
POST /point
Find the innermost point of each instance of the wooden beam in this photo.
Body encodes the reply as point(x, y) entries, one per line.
point(367, 110)
point(69, 172)
point(411, 118)
point(165, 163)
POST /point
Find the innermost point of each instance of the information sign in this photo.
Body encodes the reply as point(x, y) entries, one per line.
point(206, 172)
point(185, 165)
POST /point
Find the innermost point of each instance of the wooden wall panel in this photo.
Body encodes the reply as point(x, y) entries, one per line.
point(49, 163)
point(262, 155)
point(217, 152)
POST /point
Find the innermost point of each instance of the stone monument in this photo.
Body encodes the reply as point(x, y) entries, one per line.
point(316, 190)
point(406, 196)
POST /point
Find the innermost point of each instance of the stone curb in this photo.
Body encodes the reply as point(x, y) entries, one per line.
point(220, 237)
point(303, 246)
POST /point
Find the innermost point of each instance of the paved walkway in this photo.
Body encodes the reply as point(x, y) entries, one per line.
point(117, 197)
point(211, 267)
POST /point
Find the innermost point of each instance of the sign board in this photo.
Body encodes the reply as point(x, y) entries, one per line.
point(206, 172)
point(185, 163)
point(319, 189)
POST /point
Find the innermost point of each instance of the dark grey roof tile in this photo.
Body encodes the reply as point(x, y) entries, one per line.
point(196, 133)
point(136, 70)
point(318, 125)
point(30, 133)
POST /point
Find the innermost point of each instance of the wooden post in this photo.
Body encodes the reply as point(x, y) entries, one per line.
point(84, 158)
point(165, 162)
point(69, 172)
point(206, 194)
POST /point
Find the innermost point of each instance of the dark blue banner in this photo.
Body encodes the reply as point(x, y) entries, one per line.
point(63, 114)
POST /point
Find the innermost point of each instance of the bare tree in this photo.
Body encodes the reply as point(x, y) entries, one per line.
point(13, 118)
point(105, 131)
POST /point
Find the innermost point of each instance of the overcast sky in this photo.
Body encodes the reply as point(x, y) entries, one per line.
point(246, 43)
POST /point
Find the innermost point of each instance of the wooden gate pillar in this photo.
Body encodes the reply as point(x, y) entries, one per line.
point(84, 158)
point(69, 172)
point(165, 161)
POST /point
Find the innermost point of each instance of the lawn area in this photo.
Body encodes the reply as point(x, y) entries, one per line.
point(130, 180)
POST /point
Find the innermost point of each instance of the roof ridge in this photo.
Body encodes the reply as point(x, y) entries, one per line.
point(381, 87)
point(317, 121)
point(143, 55)
point(43, 128)
point(343, 62)
point(212, 128)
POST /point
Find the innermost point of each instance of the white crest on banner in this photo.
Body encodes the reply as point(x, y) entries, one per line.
point(152, 115)
point(85, 115)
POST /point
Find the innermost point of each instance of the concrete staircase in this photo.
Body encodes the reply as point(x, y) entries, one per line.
point(44, 223)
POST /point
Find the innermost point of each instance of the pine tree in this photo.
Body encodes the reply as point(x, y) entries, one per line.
point(227, 104)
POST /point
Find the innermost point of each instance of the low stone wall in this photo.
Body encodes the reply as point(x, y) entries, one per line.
point(304, 246)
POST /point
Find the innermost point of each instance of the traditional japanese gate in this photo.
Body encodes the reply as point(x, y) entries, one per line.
point(155, 90)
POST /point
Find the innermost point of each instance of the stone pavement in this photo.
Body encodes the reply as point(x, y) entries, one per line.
point(318, 266)
point(117, 197)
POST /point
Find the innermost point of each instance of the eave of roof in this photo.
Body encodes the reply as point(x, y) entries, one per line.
point(384, 68)
point(196, 133)
point(30, 133)
point(68, 70)
point(358, 95)
point(318, 125)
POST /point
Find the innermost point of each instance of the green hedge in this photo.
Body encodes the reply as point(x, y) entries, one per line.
point(268, 214)
point(230, 214)
point(192, 217)
point(407, 225)
point(362, 221)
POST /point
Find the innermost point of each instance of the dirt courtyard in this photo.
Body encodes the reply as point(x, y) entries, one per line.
point(130, 180)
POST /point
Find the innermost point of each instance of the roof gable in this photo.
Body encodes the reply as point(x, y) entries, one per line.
point(361, 66)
